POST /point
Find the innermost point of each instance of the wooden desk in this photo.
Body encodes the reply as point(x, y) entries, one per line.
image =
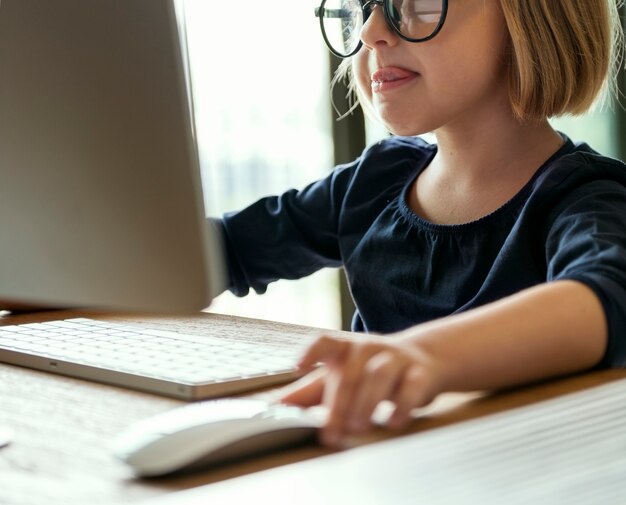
point(63, 427)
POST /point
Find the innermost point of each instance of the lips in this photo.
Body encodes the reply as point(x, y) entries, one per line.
point(391, 77)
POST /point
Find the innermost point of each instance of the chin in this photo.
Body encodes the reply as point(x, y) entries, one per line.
point(406, 126)
point(405, 130)
point(412, 126)
point(404, 119)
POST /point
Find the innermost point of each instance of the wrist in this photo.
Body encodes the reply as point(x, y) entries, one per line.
point(437, 372)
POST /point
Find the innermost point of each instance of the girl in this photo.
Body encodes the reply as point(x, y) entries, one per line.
point(493, 258)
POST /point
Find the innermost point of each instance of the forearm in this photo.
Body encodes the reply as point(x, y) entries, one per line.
point(545, 331)
point(542, 332)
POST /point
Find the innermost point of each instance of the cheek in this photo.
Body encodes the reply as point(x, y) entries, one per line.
point(361, 74)
point(461, 76)
point(473, 69)
point(476, 51)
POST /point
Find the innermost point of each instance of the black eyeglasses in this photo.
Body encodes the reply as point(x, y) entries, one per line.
point(341, 21)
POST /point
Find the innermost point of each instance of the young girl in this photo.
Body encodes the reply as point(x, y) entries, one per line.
point(493, 258)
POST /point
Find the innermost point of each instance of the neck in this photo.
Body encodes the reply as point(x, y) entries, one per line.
point(479, 167)
point(502, 149)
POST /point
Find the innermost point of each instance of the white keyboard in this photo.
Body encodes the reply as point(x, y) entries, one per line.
point(164, 362)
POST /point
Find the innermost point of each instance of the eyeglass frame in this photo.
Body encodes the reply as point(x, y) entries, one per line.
point(367, 11)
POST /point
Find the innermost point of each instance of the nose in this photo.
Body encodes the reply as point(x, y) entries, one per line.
point(376, 32)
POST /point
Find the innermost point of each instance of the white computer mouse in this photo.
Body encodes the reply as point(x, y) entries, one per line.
point(211, 432)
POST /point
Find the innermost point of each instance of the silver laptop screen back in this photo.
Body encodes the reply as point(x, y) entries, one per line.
point(100, 195)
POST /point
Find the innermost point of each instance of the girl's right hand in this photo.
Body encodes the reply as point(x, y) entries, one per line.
point(357, 375)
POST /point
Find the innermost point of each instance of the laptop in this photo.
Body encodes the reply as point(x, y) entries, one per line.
point(101, 203)
point(100, 196)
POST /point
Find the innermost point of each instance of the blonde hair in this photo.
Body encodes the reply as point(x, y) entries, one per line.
point(563, 56)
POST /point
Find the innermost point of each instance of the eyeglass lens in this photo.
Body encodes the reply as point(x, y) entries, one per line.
point(342, 21)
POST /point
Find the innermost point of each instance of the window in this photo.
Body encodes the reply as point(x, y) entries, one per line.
point(596, 128)
point(260, 80)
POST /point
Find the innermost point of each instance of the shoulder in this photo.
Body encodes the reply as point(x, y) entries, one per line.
point(580, 183)
point(382, 169)
point(390, 161)
point(395, 148)
point(378, 176)
point(579, 169)
point(579, 165)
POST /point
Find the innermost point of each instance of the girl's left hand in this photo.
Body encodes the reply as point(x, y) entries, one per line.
point(358, 375)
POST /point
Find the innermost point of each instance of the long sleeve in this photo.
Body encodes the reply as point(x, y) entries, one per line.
point(287, 236)
point(586, 242)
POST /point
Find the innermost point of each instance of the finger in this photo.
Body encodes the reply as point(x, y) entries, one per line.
point(324, 349)
point(342, 382)
point(381, 375)
point(413, 391)
point(331, 432)
point(306, 391)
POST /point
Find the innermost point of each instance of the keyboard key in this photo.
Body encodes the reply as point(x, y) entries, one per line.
point(158, 354)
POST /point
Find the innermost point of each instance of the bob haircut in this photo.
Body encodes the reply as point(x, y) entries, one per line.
point(563, 56)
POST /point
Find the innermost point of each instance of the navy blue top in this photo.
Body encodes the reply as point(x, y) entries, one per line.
point(568, 222)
